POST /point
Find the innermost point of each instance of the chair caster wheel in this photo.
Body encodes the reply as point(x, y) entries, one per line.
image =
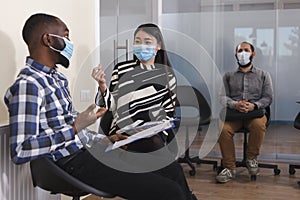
point(292, 171)
point(215, 168)
point(277, 171)
point(192, 172)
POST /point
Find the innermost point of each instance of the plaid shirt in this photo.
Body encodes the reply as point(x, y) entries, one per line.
point(41, 115)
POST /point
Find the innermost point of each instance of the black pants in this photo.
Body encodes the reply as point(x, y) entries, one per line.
point(168, 183)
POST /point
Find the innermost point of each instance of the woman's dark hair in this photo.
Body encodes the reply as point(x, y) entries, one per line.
point(152, 29)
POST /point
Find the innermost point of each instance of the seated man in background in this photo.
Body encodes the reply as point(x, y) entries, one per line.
point(247, 88)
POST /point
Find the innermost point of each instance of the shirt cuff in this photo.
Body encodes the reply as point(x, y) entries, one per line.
point(232, 104)
point(255, 106)
point(259, 105)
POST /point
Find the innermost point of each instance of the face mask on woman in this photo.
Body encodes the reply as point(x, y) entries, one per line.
point(144, 52)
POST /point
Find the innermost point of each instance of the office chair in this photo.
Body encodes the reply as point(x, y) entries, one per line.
point(189, 98)
point(292, 167)
point(48, 176)
point(245, 144)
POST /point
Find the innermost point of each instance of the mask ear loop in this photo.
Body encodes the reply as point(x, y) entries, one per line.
point(57, 36)
point(65, 40)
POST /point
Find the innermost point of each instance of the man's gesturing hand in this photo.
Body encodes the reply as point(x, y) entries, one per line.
point(87, 117)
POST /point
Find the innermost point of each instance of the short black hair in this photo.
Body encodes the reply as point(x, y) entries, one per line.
point(35, 25)
point(245, 42)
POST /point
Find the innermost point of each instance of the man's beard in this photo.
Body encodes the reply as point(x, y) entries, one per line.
point(245, 66)
point(64, 61)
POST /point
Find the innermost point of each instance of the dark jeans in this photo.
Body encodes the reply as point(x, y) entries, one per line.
point(146, 145)
point(168, 183)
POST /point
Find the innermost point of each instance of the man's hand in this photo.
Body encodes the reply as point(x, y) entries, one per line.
point(87, 117)
point(117, 137)
point(99, 75)
point(244, 106)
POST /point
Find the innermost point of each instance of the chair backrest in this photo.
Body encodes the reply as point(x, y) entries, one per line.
point(194, 102)
point(48, 176)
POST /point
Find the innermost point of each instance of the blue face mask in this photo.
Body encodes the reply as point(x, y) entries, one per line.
point(68, 50)
point(144, 52)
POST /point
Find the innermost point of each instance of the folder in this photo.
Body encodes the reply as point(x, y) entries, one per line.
point(146, 130)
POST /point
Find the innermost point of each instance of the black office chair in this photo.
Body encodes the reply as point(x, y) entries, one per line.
point(48, 176)
point(245, 144)
point(292, 167)
point(190, 97)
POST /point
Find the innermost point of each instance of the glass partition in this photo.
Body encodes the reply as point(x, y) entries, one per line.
point(273, 27)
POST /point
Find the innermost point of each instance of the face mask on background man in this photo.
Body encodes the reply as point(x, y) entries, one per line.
point(244, 58)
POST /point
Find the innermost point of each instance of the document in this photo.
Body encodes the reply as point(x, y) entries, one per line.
point(146, 130)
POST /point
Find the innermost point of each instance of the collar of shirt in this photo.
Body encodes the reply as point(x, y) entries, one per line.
point(143, 66)
point(253, 69)
point(39, 67)
point(147, 67)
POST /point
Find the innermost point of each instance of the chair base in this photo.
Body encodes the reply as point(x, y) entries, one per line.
point(260, 165)
point(197, 160)
point(188, 160)
point(292, 168)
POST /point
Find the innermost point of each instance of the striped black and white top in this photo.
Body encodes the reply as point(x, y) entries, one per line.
point(139, 93)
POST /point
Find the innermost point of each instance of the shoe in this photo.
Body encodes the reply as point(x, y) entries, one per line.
point(252, 166)
point(194, 197)
point(225, 175)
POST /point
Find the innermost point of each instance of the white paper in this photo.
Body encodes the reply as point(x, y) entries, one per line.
point(146, 130)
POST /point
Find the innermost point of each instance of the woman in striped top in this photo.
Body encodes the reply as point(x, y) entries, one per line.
point(141, 90)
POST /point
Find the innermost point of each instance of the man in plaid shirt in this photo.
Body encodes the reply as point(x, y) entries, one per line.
point(43, 121)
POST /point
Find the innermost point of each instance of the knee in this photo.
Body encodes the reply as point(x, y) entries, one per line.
point(257, 125)
point(226, 133)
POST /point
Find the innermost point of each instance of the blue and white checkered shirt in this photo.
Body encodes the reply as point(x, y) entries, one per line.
point(41, 115)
